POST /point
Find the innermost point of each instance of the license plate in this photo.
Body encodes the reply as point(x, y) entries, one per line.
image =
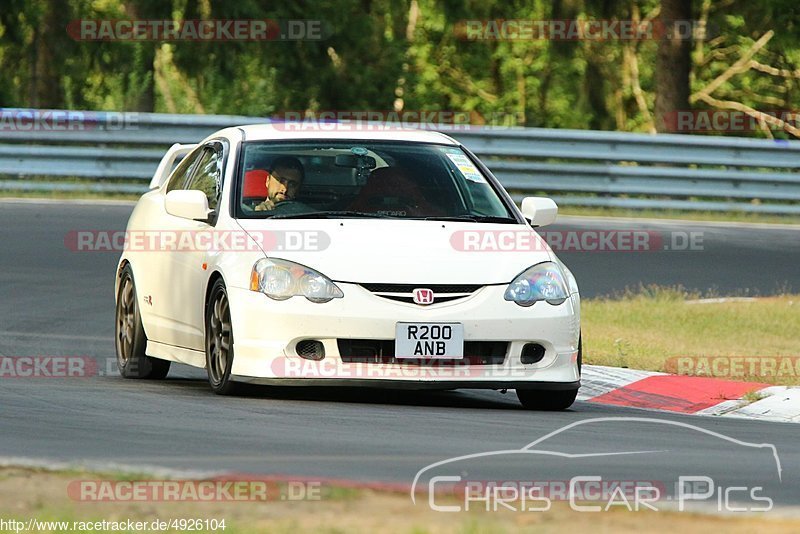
point(444, 341)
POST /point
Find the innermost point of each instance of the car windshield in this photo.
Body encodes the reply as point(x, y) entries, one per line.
point(339, 179)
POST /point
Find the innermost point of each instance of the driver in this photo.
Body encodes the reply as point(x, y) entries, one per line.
point(285, 177)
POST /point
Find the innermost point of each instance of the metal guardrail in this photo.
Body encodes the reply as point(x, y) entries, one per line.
point(587, 168)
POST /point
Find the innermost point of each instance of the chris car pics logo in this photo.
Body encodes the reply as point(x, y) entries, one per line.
point(584, 479)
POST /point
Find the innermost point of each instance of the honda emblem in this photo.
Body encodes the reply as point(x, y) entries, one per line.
point(423, 296)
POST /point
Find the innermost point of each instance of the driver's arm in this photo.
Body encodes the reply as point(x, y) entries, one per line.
point(267, 205)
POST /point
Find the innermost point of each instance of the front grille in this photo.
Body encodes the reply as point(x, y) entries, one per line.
point(382, 351)
point(405, 292)
point(408, 288)
point(410, 298)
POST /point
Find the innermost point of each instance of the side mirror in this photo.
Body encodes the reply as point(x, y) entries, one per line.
point(188, 204)
point(540, 211)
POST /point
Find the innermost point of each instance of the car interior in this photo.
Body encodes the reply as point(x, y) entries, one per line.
point(400, 183)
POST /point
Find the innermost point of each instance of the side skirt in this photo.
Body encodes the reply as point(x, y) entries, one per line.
point(172, 353)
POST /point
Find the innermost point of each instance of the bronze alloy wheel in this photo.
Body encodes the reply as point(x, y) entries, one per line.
point(219, 340)
point(129, 336)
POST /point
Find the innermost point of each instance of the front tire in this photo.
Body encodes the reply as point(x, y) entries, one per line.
point(130, 339)
point(219, 341)
point(551, 401)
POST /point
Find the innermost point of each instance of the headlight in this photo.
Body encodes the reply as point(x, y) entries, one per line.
point(572, 284)
point(544, 281)
point(281, 279)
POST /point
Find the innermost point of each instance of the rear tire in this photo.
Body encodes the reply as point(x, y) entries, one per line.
point(219, 341)
point(130, 339)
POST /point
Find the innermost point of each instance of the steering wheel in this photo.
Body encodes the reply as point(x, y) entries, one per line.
point(291, 206)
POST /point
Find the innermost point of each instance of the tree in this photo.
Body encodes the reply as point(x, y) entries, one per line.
point(673, 62)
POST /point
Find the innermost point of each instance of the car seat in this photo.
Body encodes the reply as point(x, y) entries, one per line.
point(391, 189)
point(254, 187)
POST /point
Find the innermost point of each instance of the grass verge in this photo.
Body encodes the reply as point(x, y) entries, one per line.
point(689, 215)
point(30, 493)
point(661, 329)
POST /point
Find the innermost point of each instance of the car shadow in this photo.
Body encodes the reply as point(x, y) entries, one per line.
point(464, 398)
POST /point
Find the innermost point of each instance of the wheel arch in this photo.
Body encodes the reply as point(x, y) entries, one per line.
point(216, 275)
point(121, 267)
point(143, 314)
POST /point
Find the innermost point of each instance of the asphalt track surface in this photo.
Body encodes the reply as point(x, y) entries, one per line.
point(55, 302)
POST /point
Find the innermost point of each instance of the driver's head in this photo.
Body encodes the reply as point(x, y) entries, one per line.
point(285, 178)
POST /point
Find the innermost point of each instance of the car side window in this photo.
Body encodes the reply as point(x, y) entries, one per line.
point(208, 175)
point(177, 179)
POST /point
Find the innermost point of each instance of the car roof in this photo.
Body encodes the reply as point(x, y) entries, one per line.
point(341, 130)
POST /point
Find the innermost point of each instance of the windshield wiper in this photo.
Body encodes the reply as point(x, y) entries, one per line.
point(474, 218)
point(333, 215)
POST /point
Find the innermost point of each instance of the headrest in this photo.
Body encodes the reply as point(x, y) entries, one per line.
point(255, 184)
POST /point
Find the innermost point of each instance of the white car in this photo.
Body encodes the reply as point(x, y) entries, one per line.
point(386, 258)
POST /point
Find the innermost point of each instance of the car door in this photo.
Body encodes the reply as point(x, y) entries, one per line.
point(149, 261)
point(184, 266)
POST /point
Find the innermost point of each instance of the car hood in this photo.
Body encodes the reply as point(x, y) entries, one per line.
point(402, 251)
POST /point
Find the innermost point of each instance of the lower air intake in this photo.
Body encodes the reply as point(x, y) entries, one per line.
point(310, 349)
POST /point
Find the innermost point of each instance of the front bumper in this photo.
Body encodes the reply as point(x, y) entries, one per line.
point(266, 333)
